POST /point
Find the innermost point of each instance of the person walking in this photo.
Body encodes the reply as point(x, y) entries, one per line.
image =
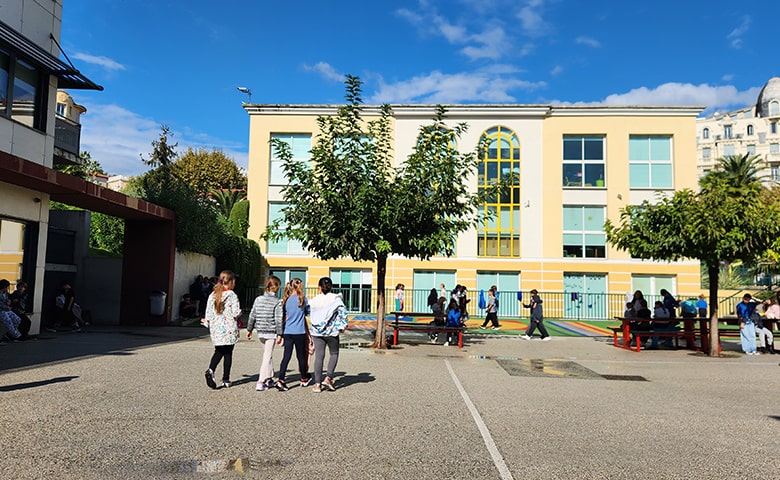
point(266, 317)
point(222, 312)
point(491, 311)
point(453, 320)
point(328, 319)
point(536, 319)
point(295, 333)
point(747, 330)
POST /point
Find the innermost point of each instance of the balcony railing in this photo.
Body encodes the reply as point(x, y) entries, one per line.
point(67, 135)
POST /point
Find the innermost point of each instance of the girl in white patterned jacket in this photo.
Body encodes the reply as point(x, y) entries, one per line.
point(222, 312)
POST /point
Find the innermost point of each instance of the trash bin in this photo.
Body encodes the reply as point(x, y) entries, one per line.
point(157, 303)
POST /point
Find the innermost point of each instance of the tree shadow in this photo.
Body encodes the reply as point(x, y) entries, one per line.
point(40, 383)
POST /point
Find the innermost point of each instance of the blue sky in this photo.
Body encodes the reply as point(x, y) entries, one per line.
point(179, 63)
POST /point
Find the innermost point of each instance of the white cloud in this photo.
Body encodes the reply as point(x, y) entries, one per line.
point(492, 44)
point(325, 70)
point(117, 137)
point(531, 19)
point(556, 70)
point(105, 62)
point(736, 35)
point(712, 97)
point(591, 42)
point(495, 86)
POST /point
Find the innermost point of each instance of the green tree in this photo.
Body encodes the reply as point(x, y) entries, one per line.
point(225, 199)
point(726, 221)
point(238, 223)
point(737, 171)
point(107, 232)
point(83, 170)
point(354, 203)
point(209, 170)
point(163, 152)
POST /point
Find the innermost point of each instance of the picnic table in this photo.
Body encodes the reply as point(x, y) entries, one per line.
point(688, 332)
point(397, 325)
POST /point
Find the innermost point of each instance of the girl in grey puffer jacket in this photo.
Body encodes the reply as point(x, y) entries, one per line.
point(266, 318)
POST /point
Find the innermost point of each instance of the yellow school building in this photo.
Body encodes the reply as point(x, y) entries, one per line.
point(577, 167)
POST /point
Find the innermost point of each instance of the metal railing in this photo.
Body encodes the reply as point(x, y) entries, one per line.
point(562, 305)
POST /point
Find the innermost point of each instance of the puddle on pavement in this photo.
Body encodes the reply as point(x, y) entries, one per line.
point(234, 465)
point(535, 367)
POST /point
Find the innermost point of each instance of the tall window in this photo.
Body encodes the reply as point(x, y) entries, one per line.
point(284, 245)
point(774, 148)
point(750, 130)
point(585, 295)
point(508, 284)
point(773, 127)
point(751, 149)
point(729, 150)
point(775, 172)
point(499, 235)
point(706, 153)
point(20, 86)
point(727, 132)
point(650, 161)
point(354, 287)
point(300, 147)
point(774, 108)
point(705, 133)
point(583, 232)
point(583, 161)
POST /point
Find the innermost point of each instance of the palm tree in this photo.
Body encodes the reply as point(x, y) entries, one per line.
point(736, 171)
point(225, 199)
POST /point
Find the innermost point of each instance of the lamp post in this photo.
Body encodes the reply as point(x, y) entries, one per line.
point(248, 93)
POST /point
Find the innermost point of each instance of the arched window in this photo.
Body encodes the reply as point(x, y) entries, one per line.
point(705, 133)
point(499, 235)
point(774, 108)
point(750, 130)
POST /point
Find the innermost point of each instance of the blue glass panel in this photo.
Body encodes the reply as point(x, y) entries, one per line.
point(638, 148)
point(572, 174)
point(594, 218)
point(639, 175)
point(662, 176)
point(572, 218)
point(660, 148)
point(594, 174)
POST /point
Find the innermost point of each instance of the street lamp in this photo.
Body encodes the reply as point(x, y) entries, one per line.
point(248, 93)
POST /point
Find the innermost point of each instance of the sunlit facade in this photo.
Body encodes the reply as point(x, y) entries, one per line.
point(577, 166)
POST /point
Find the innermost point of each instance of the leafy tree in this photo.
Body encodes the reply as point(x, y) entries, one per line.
point(238, 223)
point(83, 170)
point(209, 170)
point(727, 220)
point(107, 232)
point(354, 203)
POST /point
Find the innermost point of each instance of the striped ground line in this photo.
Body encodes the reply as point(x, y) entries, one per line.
point(498, 460)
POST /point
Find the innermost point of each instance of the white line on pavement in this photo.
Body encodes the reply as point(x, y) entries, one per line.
point(498, 460)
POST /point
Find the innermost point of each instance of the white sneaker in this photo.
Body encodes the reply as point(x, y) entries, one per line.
point(547, 338)
point(756, 353)
point(525, 337)
point(446, 344)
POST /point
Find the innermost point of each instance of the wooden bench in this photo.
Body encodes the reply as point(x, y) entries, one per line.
point(639, 334)
point(429, 328)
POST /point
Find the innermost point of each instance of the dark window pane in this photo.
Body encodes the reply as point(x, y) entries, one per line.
point(572, 250)
point(594, 149)
point(595, 252)
point(572, 175)
point(594, 175)
point(572, 149)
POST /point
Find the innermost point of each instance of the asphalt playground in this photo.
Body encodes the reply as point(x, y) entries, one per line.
point(131, 403)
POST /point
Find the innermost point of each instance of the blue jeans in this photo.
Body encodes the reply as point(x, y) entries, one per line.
point(747, 335)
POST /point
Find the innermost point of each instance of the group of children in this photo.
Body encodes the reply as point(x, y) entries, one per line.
point(278, 321)
point(13, 317)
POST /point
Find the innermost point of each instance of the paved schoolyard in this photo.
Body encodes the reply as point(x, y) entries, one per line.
point(121, 403)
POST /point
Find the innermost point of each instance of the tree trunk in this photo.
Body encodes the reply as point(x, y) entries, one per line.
point(713, 271)
point(380, 341)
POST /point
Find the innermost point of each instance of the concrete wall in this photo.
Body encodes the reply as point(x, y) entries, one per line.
point(188, 266)
point(103, 286)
